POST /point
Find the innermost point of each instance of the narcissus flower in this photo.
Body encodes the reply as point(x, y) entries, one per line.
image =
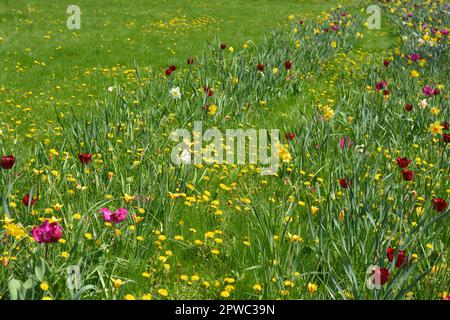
point(175, 93)
point(439, 204)
point(436, 128)
point(47, 232)
point(7, 162)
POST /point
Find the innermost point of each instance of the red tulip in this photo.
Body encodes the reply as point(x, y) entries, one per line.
point(208, 91)
point(343, 183)
point(403, 162)
point(446, 137)
point(446, 125)
point(386, 63)
point(401, 257)
point(26, 201)
point(260, 67)
point(288, 65)
point(289, 136)
point(439, 204)
point(381, 85)
point(85, 158)
point(170, 70)
point(408, 107)
point(408, 175)
point(381, 275)
point(7, 162)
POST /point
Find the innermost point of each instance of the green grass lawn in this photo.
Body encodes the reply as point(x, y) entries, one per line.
point(46, 66)
point(339, 200)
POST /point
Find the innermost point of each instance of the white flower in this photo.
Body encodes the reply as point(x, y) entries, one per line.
point(175, 93)
point(110, 89)
point(423, 104)
point(360, 148)
point(185, 157)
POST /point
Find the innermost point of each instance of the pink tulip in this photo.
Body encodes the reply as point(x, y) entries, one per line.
point(47, 232)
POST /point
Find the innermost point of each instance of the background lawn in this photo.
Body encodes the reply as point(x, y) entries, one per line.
point(46, 67)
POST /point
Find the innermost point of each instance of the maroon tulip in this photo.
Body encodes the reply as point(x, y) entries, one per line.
point(289, 135)
point(85, 158)
point(401, 257)
point(446, 137)
point(208, 91)
point(408, 175)
point(223, 46)
point(381, 275)
point(260, 67)
point(403, 162)
point(343, 183)
point(288, 65)
point(386, 92)
point(7, 162)
point(408, 107)
point(381, 85)
point(26, 201)
point(414, 56)
point(445, 125)
point(170, 70)
point(190, 61)
point(439, 204)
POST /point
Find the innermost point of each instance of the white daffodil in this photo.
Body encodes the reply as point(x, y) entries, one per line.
point(423, 104)
point(175, 93)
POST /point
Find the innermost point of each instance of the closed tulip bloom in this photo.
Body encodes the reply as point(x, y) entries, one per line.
point(7, 162)
point(408, 175)
point(47, 232)
point(403, 162)
point(85, 158)
point(27, 201)
point(439, 204)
